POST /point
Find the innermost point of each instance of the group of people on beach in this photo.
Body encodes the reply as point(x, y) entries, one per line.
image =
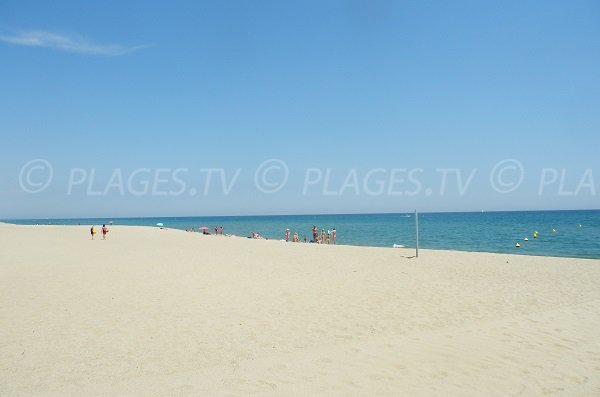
point(317, 238)
point(324, 237)
point(204, 230)
point(104, 231)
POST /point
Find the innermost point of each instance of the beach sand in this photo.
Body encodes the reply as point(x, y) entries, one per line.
point(152, 312)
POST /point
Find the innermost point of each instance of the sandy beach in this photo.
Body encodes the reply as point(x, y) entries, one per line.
point(163, 312)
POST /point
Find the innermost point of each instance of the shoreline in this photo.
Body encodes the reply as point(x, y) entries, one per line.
point(421, 249)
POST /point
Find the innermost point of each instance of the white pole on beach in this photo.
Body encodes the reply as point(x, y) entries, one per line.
point(417, 232)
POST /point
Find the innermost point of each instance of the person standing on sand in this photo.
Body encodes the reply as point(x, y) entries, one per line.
point(322, 236)
point(287, 235)
point(296, 239)
point(104, 232)
point(221, 230)
point(315, 233)
point(93, 231)
point(334, 235)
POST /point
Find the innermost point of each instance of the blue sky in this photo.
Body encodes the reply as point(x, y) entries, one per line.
point(343, 87)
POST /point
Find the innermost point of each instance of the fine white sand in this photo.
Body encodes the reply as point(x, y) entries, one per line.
point(152, 312)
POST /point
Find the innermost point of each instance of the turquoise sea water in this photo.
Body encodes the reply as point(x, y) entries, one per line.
point(561, 233)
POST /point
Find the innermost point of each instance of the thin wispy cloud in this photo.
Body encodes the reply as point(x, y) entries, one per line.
point(61, 42)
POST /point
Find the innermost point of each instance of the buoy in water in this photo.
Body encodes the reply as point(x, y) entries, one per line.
point(526, 239)
point(517, 245)
point(553, 230)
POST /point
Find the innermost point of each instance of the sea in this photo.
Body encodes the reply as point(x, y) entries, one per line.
point(559, 233)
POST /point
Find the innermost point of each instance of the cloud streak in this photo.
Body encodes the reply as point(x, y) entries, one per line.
point(75, 44)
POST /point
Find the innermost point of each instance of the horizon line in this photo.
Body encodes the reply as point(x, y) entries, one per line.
point(274, 215)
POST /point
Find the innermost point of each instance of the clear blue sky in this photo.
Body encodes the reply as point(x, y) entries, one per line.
point(336, 84)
